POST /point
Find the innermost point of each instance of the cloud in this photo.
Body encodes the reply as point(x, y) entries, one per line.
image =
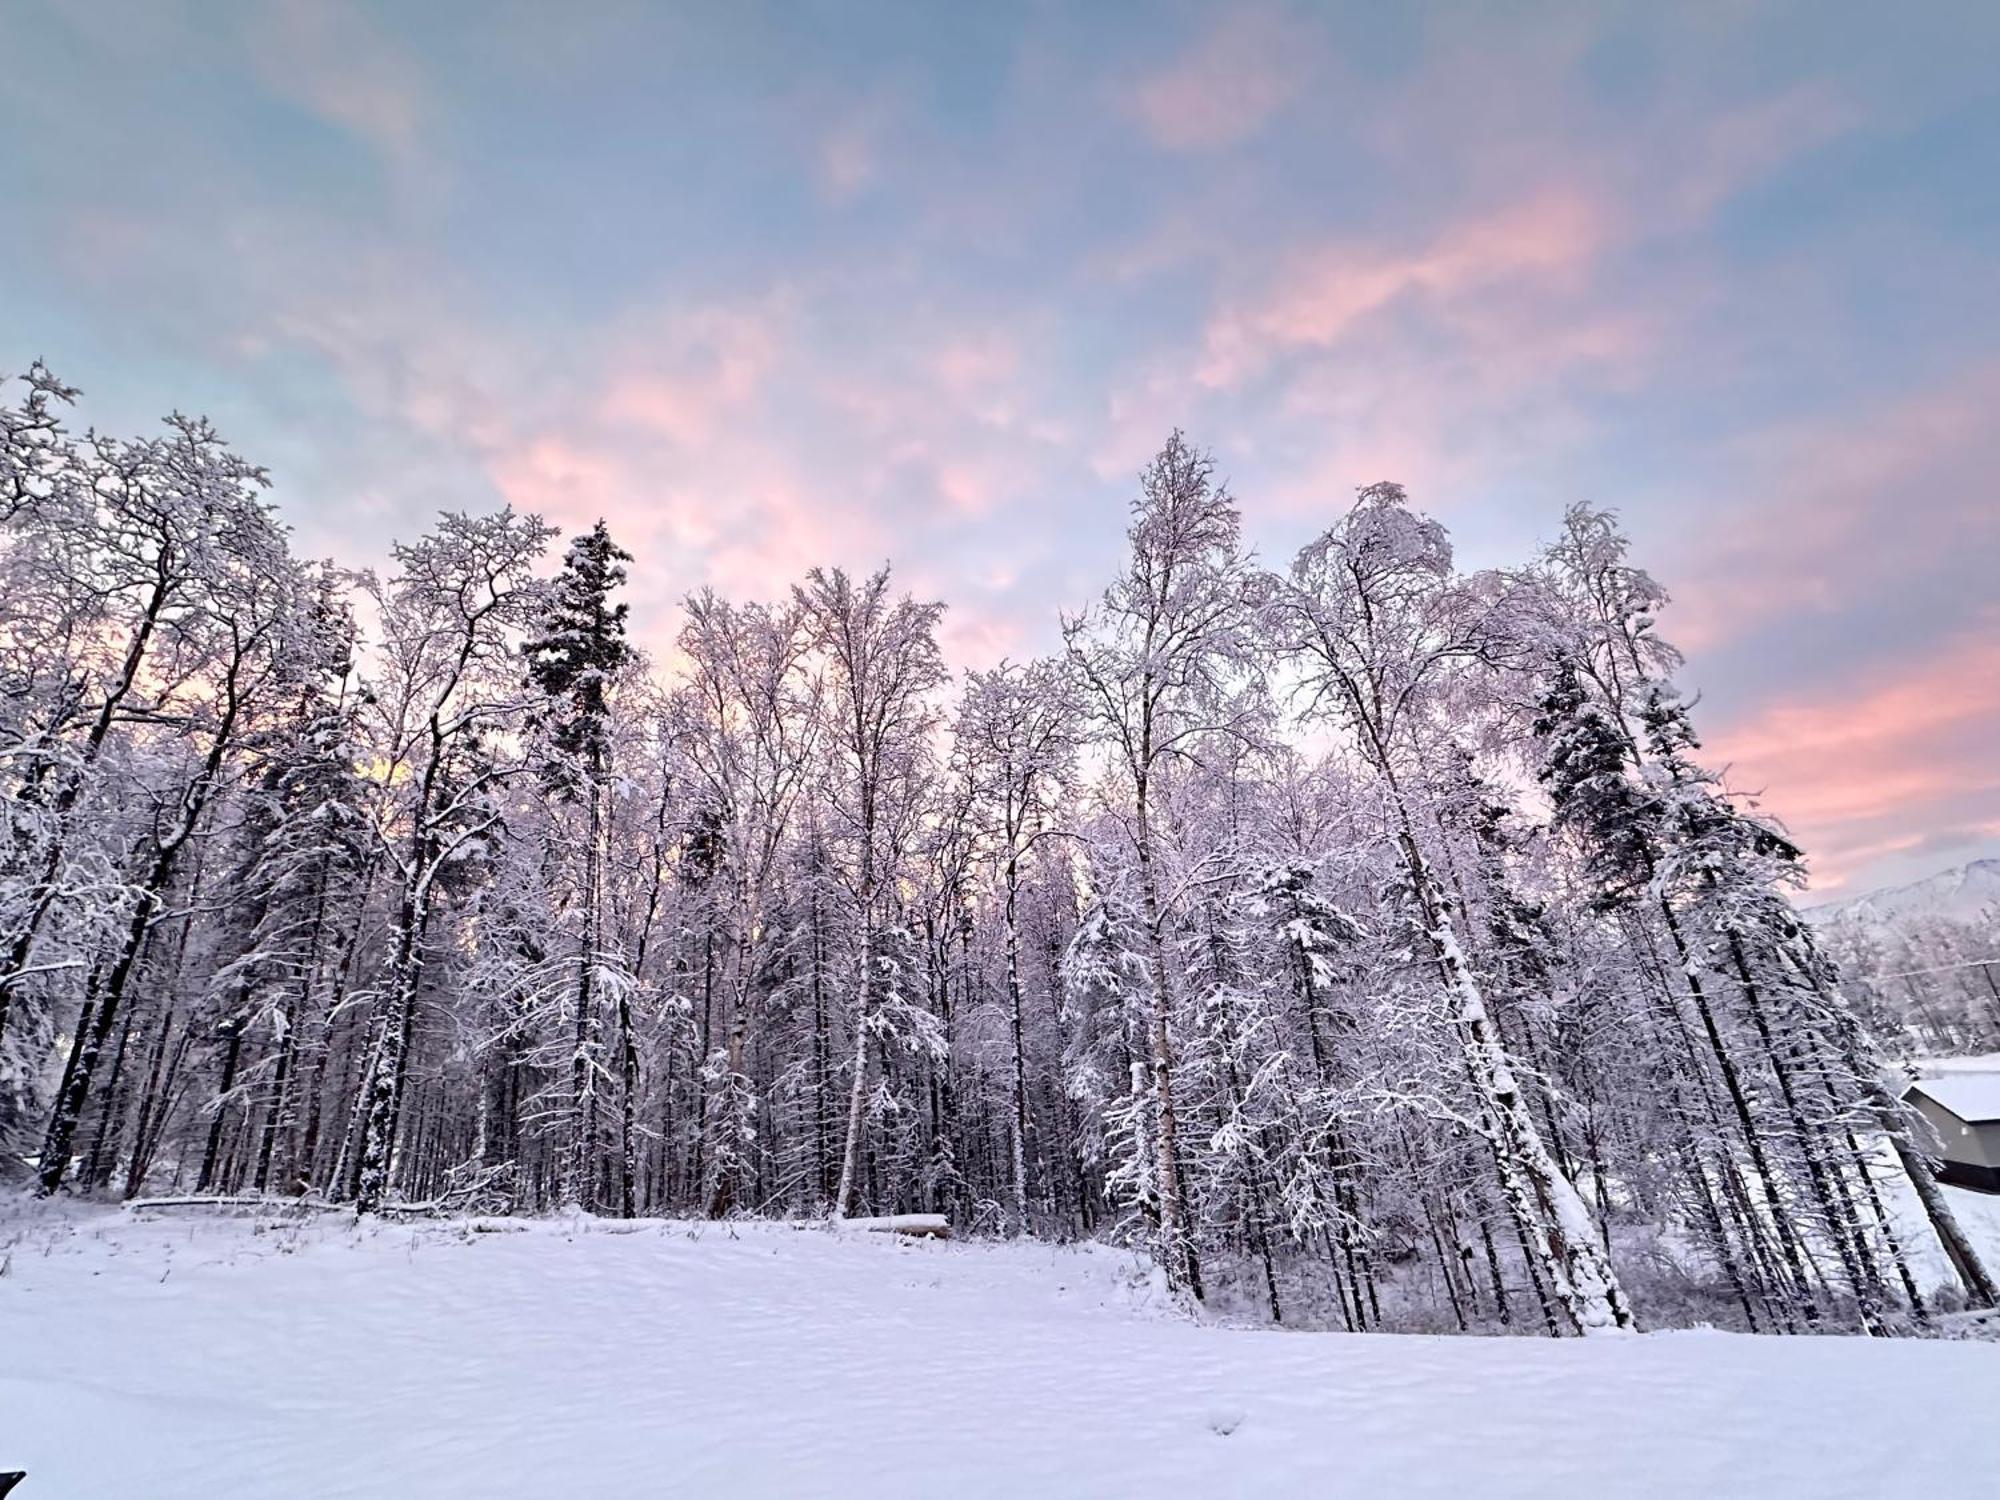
point(1827, 516)
point(1450, 360)
point(1321, 294)
point(680, 376)
point(1226, 87)
point(848, 159)
point(1832, 586)
point(1742, 146)
point(733, 442)
point(331, 61)
point(1903, 757)
point(935, 294)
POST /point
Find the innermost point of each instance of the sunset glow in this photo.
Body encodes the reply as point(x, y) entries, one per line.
point(768, 287)
point(1167, 748)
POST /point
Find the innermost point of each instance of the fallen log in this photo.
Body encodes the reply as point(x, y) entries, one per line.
point(925, 1226)
point(216, 1203)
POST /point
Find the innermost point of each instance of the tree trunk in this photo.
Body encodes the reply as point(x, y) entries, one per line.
point(1556, 1223)
point(232, 1055)
point(1177, 1252)
point(388, 1048)
point(1020, 1070)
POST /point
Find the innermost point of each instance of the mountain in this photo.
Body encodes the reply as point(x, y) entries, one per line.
point(1969, 893)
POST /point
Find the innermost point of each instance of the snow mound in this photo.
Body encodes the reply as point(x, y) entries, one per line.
point(179, 1357)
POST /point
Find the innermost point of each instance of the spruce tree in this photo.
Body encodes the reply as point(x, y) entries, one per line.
point(575, 657)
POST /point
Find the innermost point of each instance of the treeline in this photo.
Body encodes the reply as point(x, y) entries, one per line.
point(1365, 937)
point(1932, 980)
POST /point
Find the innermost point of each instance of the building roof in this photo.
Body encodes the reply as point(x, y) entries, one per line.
point(1973, 1097)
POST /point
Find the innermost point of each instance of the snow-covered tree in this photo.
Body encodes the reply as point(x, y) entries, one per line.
point(575, 657)
point(451, 618)
point(1154, 658)
point(883, 667)
point(1017, 732)
point(1377, 620)
point(1368, 942)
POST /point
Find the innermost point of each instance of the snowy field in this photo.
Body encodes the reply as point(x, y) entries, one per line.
point(166, 1358)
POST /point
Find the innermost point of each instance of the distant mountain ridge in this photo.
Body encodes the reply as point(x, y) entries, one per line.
point(1967, 893)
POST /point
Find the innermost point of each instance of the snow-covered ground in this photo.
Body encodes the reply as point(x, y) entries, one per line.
point(166, 1358)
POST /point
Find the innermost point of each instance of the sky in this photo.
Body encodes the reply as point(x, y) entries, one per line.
point(771, 286)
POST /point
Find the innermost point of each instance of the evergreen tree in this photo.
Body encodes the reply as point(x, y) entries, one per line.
point(575, 658)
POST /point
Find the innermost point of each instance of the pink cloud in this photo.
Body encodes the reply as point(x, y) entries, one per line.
point(976, 362)
point(334, 62)
point(1493, 399)
point(847, 162)
point(1453, 356)
point(979, 634)
point(1822, 512)
point(1320, 295)
point(683, 375)
point(1445, 362)
point(557, 478)
point(660, 422)
point(1860, 771)
point(1226, 87)
point(735, 516)
point(670, 426)
point(1741, 146)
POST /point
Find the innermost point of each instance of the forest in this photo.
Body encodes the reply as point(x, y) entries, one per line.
point(1365, 938)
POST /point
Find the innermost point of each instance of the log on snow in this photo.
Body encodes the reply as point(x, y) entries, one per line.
point(928, 1226)
point(218, 1204)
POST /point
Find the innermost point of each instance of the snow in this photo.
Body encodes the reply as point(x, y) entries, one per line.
point(215, 1357)
point(1937, 1067)
point(1967, 893)
point(1973, 1097)
point(1978, 1216)
point(896, 1224)
point(1967, 1086)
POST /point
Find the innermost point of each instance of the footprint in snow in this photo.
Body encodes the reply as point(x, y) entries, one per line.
point(1225, 1421)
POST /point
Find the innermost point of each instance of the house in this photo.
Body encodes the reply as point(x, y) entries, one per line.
point(1963, 1112)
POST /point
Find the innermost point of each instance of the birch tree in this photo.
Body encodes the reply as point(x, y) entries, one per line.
point(883, 668)
point(1152, 660)
point(1017, 731)
point(1375, 619)
point(451, 619)
point(758, 715)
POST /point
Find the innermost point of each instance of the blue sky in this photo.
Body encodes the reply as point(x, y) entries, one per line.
point(778, 285)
